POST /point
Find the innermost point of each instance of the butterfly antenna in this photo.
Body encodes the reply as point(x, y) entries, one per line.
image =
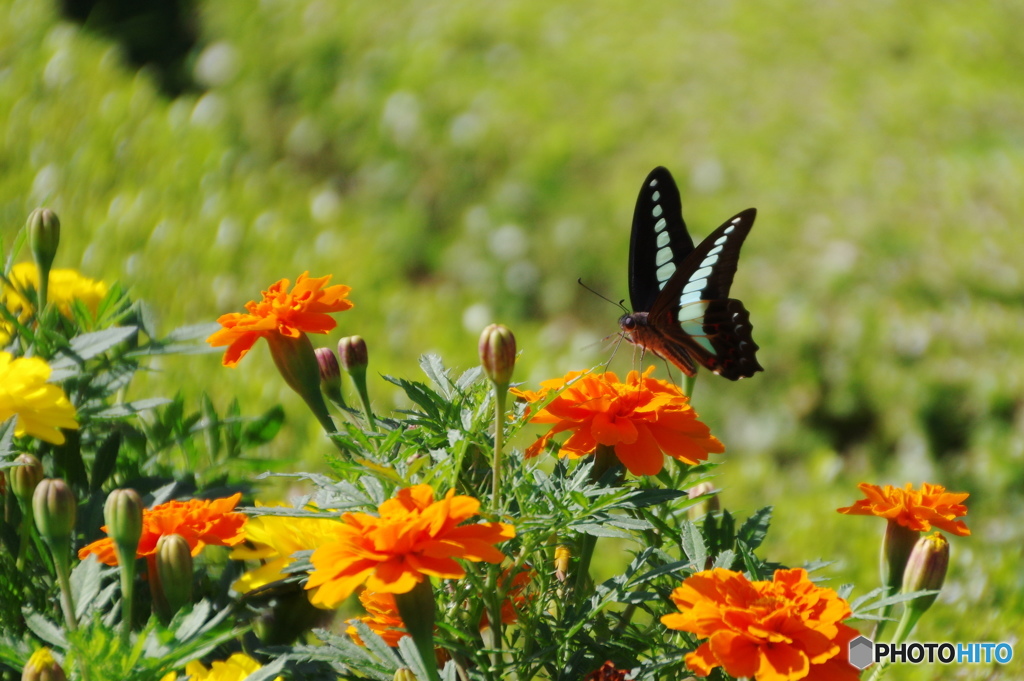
point(602, 297)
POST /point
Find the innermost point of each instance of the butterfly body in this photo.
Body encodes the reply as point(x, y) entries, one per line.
point(680, 292)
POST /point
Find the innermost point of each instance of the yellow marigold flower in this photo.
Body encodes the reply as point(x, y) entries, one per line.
point(65, 286)
point(200, 522)
point(236, 668)
point(42, 409)
point(291, 314)
point(782, 630)
point(412, 538)
point(272, 540)
point(917, 510)
point(641, 418)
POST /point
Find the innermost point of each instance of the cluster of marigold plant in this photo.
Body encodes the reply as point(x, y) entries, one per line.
point(432, 550)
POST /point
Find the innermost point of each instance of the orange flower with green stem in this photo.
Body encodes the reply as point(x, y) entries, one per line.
point(780, 630)
point(200, 522)
point(909, 512)
point(284, 318)
point(641, 419)
point(412, 538)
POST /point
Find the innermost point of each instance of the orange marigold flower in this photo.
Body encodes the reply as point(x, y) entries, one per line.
point(641, 418)
point(414, 537)
point(381, 616)
point(304, 310)
point(917, 510)
point(782, 630)
point(516, 598)
point(201, 522)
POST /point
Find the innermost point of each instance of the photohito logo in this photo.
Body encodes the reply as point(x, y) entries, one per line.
point(864, 652)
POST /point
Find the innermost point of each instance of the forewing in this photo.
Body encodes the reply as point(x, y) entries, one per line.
point(694, 309)
point(659, 244)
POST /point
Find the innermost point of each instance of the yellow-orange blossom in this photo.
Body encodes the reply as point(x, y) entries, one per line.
point(302, 310)
point(414, 537)
point(780, 630)
point(641, 418)
point(917, 510)
point(201, 522)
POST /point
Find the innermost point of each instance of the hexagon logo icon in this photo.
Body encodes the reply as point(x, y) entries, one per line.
point(862, 652)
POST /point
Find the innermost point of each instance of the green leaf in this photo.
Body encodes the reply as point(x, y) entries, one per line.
point(265, 428)
point(755, 528)
point(86, 582)
point(45, 629)
point(131, 408)
point(693, 545)
point(106, 459)
point(93, 344)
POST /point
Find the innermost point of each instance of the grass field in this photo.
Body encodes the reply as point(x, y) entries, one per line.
point(460, 163)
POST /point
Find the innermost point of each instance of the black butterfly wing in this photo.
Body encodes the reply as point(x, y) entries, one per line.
point(659, 243)
point(694, 310)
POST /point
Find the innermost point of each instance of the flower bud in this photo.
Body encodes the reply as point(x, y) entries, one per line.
point(330, 375)
point(926, 570)
point(296, 361)
point(43, 667)
point(354, 359)
point(174, 568)
point(896, 547)
point(123, 514)
point(562, 555)
point(498, 354)
point(404, 674)
point(44, 236)
point(352, 354)
point(709, 504)
point(54, 507)
point(26, 477)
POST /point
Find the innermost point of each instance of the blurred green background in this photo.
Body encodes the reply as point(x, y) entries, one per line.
point(459, 163)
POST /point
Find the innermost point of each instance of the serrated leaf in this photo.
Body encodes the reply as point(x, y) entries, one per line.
point(375, 644)
point(192, 622)
point(131, 408)
point(86, 582)
point(693, 545)
point(268, 672)
point(45, 629)
point(106, 459)
point(411, 657)
point(755, 528)
point(725, 559)
point(90, 345)
point(433, 367)
point(265, 428)
point(600, 530)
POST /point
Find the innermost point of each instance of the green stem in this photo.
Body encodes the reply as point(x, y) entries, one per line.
point(906, 625)
point(127, 595)
point(500, 400)
point(359, 378)
point(25, 534)
point(417, 611)
point(493, 603)
point(604, 460)
point(61, 562)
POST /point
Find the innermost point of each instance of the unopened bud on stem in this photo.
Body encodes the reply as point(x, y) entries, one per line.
point(498, 354)
point(44, 237)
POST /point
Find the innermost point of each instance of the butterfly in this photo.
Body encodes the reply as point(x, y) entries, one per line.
point(682, 311)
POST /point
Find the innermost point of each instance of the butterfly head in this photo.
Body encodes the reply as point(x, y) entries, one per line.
point(631, 322)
